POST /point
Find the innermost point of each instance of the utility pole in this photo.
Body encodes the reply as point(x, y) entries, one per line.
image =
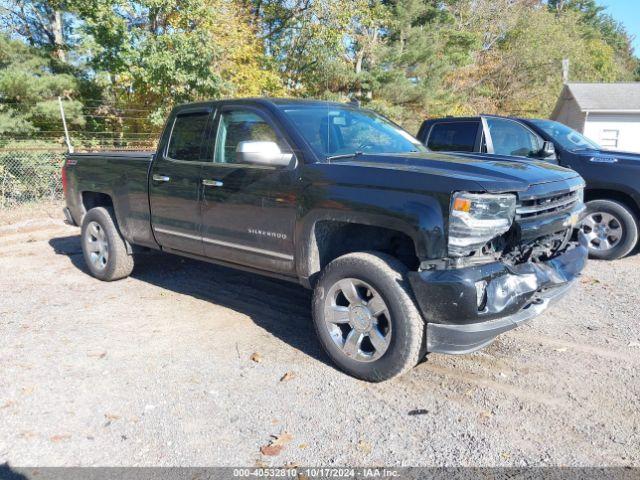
point(565, 70)
point(64, 124)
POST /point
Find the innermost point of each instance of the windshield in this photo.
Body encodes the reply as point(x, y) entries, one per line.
point(335, 131)
point(567, 137)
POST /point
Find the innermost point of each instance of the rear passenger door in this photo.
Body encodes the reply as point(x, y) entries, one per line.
point(454, 136)
point(175, 182)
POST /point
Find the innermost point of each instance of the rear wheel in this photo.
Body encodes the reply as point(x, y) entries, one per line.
point(365, 316)
point(103, 247)
point(611, 229)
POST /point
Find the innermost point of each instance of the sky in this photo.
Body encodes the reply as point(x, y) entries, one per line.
point(627, 12)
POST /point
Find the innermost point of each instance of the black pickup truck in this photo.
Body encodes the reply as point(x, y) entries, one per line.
point(407, 252)
point(612, 193)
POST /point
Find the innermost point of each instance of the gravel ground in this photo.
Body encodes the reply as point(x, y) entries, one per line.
point(160, 369)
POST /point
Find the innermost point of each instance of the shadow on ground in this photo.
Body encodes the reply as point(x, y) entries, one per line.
point(279, 307)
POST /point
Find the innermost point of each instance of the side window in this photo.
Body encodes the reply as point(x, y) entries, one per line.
point(511, 138)
point(242, 125)
point(187, 136)
point(453, 136)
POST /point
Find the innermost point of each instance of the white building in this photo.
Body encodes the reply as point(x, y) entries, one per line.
point(607, 113)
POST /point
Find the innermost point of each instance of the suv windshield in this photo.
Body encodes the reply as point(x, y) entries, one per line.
point(567, 137)
point(336, 131)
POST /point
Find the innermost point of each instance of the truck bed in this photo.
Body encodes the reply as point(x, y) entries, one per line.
point(124, 177)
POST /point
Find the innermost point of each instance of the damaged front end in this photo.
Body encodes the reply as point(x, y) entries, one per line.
point(513, 277)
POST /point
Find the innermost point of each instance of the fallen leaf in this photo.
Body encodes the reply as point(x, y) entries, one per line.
point(486, 414)
point(271, 450)
point(111, 416)
point(256, 357)
point(364, 447)
point(505, 455)
point(288, 376)
point(563, 349)
point(276, 445)
point(59, 438)
point(8, 404)
point(97, 354)
point(303, 446)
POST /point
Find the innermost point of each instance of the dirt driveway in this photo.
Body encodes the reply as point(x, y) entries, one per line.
point(157, 369)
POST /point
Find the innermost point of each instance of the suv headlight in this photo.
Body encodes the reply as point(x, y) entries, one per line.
point(477, 218)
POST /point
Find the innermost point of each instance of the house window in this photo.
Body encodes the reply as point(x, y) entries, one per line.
point(609, 138)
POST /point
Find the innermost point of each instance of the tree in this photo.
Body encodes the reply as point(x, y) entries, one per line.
point(39, 23)
point(423, 45)
point(154, 53)
point(29, 91)
point(599, 25)
point(513, 76)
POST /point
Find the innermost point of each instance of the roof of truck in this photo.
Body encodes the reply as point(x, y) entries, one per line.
point(278, 102)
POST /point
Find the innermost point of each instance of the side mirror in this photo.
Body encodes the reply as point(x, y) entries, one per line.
point(548, 150)
point(262, 153)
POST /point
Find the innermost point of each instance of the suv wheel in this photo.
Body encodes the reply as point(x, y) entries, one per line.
point(611, 229)
point(104, 249)
point(365, 316)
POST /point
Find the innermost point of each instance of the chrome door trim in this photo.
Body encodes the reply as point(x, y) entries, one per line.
point(270, 253)
point(177, 234)
point(212, 183)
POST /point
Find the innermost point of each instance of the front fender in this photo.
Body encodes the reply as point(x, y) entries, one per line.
point(421, 217)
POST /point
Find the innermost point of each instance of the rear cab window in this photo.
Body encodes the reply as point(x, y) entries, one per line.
point(453, 136)
point(187, 136)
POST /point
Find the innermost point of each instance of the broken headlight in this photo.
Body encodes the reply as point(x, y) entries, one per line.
point(477, 218)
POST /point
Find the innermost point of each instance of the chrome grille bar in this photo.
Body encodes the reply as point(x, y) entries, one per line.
point(550, 204)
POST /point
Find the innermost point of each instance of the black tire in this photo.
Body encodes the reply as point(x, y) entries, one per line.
point(387, 276)
point(118, 263)
point(624, 216)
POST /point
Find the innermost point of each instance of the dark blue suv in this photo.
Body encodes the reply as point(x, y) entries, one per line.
point(613, 178)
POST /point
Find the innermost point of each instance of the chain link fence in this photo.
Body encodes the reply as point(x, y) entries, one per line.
point(33, 173)
point(30, 175)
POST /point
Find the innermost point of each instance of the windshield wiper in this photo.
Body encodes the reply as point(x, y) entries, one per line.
point(345, 155)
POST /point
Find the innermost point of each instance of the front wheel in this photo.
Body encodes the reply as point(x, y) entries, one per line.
point(104, 249)
point(611, 229)
point(365, 316)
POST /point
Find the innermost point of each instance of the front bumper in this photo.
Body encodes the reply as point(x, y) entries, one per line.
point(515, 294)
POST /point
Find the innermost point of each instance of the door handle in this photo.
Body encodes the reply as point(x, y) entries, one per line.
point(161, 178)
point(212, 183)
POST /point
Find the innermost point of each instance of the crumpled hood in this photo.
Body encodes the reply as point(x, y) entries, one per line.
point(494, 174)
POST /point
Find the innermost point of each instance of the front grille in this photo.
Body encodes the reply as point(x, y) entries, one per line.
point(549, 205)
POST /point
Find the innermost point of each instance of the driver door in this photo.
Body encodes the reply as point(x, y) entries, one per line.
point(248, 210)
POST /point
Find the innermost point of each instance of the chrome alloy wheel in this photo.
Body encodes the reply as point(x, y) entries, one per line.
point(97, 245)
point(603, 230)
point(357, 319)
